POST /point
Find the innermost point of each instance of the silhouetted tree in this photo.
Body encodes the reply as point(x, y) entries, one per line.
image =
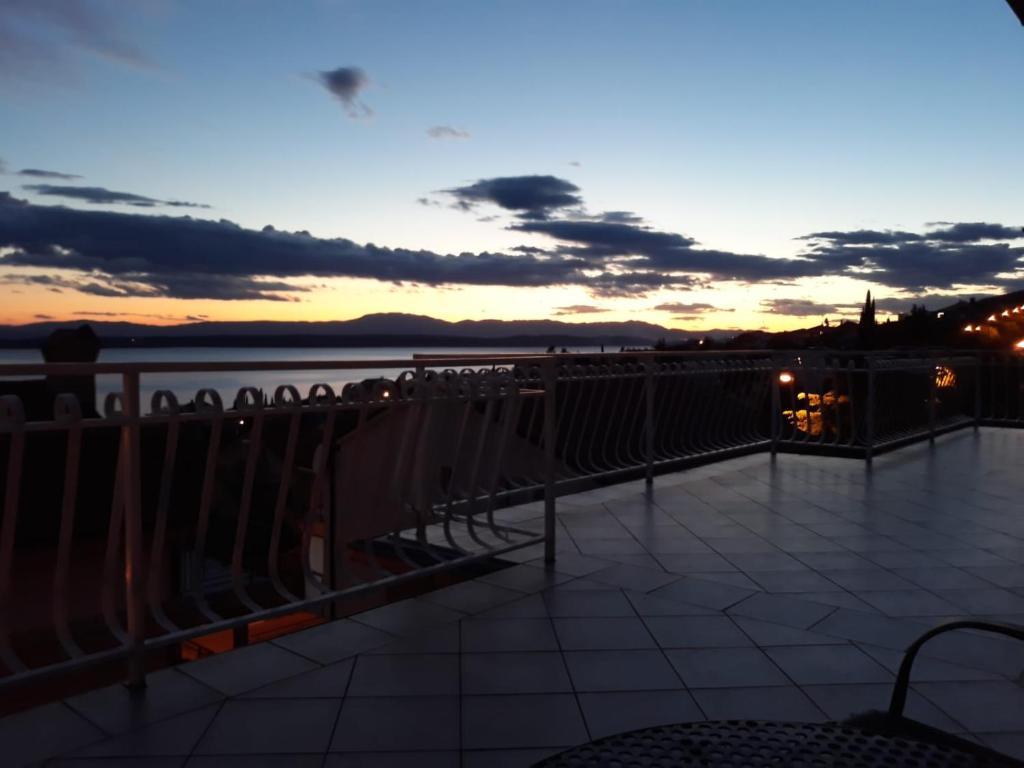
point(866, 327)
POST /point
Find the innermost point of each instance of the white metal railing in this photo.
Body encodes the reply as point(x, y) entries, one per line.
point(139, 528)
point(859, 403)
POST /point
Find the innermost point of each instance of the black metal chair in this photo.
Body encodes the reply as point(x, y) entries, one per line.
point(896, 724)
point(871, 740)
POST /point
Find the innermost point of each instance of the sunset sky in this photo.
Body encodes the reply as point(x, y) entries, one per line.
point(697, 164)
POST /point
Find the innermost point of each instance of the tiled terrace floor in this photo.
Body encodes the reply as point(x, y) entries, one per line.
point(744, 589)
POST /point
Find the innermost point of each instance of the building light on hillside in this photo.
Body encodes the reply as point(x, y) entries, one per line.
point(1019, 345)
point(991, 318)
point(945, 378)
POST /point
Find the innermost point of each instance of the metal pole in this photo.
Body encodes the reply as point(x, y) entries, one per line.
point(550, 376)
point(649, 423)
point(869, 412)
point(776, 422)
point(132, 489)
point(977, 393)
point(931, 403)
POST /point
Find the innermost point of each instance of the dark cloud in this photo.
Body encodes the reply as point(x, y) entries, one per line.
point(801, 307)
point(973, 232)
point(953, 255)
point(644, 258)
point(579, 309)
point(614, 283)
point(530, 197)
point(90, 285)
point(446, 132)
point(620, 217)
point(680, 308)
point(182, 257)
point(43, 317)
point(864, 237)
point(666, 253)
point(613, 254)
point(41, 174)
point(101, 196)
point(346, 83)
point(36, 35)
point(633, 255)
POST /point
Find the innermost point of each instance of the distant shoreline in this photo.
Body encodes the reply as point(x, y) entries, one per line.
point(307, 341)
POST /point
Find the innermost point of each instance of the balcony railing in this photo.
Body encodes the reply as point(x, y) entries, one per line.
point(141, 528)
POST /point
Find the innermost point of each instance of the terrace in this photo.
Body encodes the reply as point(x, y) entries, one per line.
point(740, 583)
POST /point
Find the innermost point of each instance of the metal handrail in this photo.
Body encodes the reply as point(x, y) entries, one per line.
point(518, 427)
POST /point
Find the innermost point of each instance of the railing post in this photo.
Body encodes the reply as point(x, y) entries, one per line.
point(550, 376)
point(132, 489)
point(649, 423)
point(869, 411)
point(931, 402)
point(776, 421)
point(977, 393)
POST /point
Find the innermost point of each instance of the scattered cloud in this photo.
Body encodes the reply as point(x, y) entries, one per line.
point(102, 196)
point(37, 36)
point(3, 166)
point(447, 132)
point(38, 173)
point(580, 309)
point(146, 315)
point(43, 317)
point(529, 197)
point(575, 163)
point(346, 84)
point(680, 308)
point(802, 307)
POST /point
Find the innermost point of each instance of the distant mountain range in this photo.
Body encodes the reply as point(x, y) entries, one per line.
point(385, 329)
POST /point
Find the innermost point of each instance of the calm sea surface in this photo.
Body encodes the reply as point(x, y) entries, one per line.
point(185, 385)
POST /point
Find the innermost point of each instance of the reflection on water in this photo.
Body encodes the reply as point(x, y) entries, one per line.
point(184, 385)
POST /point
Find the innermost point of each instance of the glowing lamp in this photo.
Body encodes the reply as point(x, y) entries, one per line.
point(787, 378)
point(1019, 345)
point(991, 318)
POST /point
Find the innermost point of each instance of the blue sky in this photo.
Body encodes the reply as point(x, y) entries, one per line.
point(740, 125)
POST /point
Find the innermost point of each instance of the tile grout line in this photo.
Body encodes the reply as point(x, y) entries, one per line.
point(206, 730)
point(341, 707)
point(568, 673)
point(460, 699)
